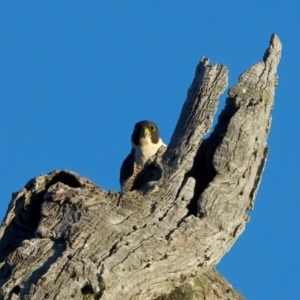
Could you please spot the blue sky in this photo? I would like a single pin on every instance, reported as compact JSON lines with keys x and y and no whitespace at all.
{"x":75,"y":76}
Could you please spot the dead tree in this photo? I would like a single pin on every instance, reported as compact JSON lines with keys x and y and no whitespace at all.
{"x":63,"y":237}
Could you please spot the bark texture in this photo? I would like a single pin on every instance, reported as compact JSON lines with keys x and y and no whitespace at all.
{"x":65,"y":238}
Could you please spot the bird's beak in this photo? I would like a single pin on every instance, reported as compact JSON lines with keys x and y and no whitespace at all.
{"x":145,"y":132}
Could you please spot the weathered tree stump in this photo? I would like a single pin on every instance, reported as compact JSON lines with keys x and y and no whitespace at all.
{"x":63,"y":237}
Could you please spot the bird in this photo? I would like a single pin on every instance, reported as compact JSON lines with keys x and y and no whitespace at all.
{"x":145,"y":141}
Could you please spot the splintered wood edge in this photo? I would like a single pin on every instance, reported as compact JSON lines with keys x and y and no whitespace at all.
{"x":196,"y":117}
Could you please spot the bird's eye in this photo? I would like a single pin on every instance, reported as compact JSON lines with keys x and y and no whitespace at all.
{"x":152,"y":128}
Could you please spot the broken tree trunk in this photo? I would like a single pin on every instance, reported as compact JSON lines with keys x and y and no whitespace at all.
{"x":63,"y":237}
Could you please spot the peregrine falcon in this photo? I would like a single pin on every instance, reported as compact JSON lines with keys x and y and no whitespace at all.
{"x":145,"y":141}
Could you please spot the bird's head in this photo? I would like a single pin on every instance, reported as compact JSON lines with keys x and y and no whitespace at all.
{"x":145,"y":133}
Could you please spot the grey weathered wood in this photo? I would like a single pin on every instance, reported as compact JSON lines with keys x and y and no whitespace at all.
{"x":209,"y":286}
{"x":65,"y":238}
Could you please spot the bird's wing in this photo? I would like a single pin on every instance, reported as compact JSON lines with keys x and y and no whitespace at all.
{"x":128,"y":173}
